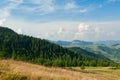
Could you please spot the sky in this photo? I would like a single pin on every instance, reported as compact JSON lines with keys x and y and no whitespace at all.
{"x":67,"y":20}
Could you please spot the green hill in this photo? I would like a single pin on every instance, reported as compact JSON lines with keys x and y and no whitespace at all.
{"x":109,"y":49}
{"x":111,"y":52}
{"x":39,"y":51}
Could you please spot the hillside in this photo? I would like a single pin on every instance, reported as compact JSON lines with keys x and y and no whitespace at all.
{"x":111,"y":52}
{"x":109,"y":49}
{"x":38,"y":51}
{"x":18,"y":70}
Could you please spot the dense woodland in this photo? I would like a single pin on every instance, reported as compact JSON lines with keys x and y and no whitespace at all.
{"x":38,"y":51}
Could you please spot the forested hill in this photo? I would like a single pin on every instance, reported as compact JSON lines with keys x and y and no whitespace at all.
{"x":30,"y":49}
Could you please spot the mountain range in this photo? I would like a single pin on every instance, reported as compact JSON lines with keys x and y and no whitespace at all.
{"x":39,"y":51}
{"x":110,"y":49}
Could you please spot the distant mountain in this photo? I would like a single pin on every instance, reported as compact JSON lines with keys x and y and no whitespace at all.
{"x":111,"y":52}
{"x":110,"y":42}
{"x":79,"y":42}
{"x":73,"y":43}
{"x":85,"y":52}
{"x":39,"y":51}
{"x":62,"y":43}
{"x":110,"y":49}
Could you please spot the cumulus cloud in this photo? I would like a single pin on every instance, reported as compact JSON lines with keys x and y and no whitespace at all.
{"x":19,"y":31}
{"x":67,"y":30}
{"x":82,"y":30}
{"x":96,"y":32}
{"x":83,"y":27}
{"x":59,"y":33}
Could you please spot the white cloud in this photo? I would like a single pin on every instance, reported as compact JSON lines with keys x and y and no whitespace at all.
{"x":98,"y":31}
{"x":67,"y":30}
{"x":58,"y":30}
{"x":83,"y":27}
{"x":70,"y":6}
{"x":6,"y":10}
{"x":112,"y":33}
{"x":13,"y":4}
{"x":4,"y":13}
{"x":83,"y":10}
{"x":3,"y":16}
{"x":2,"y":21}
{"x":82,"y":30}
{"x":41,"y":7}
{"x":19,"y":31}
{"x":101,"y":31}
{"x":61,"y":30}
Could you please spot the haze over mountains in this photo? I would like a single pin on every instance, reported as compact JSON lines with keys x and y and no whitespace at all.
{"x":80,"y":42}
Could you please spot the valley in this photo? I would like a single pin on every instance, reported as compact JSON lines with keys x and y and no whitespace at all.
{"x":109,"y":49}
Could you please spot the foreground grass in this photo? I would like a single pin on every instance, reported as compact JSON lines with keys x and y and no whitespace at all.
{"x":18,"y":70}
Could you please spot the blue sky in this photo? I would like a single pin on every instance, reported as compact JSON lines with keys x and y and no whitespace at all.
{"x":89,"y":20}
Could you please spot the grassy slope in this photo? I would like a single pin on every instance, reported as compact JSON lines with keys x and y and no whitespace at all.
{"x":10,"y":69}
{"x":111,"y":52}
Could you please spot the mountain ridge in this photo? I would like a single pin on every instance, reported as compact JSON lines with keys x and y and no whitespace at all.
{"x":110,"y":50}
{"x":40,"y":51}
{"x":81,"y":42}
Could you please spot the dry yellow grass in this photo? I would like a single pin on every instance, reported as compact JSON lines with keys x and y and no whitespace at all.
{"x":37,"y":72}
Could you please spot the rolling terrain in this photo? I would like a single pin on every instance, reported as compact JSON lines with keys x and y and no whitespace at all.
{"x":27,"y":58}
{"x":109,"y":49}
{"x":111,"y":52}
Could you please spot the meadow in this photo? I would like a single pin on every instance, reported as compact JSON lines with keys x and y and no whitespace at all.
{"x":18,"y":70}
